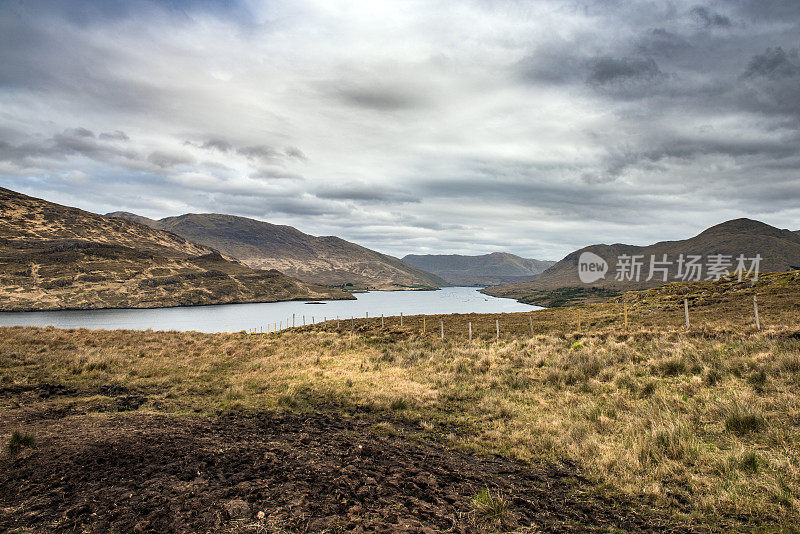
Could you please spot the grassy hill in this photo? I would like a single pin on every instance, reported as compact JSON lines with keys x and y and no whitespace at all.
{"x":559,"y":285}
{"x":325,"y":260}
{"x":57,"y":257}
{"x":488,"y":269}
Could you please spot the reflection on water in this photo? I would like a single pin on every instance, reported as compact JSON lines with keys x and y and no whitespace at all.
{"x":235,"y":317}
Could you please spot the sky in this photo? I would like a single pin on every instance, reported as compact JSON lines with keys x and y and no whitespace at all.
{"x":446,"y":127}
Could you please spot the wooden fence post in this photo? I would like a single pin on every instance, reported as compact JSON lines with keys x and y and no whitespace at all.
{"x":441,"y":325}
{"x":579,"y":321}
{"x":755,"y":311}
{"x":686,"y":311}
{"x":423,"y":324}
{"x":470,"y":330}
{"x":381,"y":320}
{"x":401,"y":318}
{"x":497,"y":327}
{"x":292,"y":320}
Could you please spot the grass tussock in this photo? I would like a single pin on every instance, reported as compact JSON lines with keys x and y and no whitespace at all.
{"x":19,"y":441}
{"x":490,"y":507}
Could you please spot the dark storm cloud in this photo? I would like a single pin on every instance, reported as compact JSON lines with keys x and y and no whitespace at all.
{"x":708,"y":18}
{"x":772,"y":84}
{"x":660,"y":42}
{"x":774,"y":64}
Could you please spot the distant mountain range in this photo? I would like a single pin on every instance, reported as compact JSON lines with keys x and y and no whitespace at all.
{"x":560,"y":284}
{"x":57,"y":257}
{"x":488,"y":269}
{"x":325,"y":260}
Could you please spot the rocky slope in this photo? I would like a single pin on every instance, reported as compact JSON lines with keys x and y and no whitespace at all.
{"x":57,"y":257}
{"x":325,"y":260}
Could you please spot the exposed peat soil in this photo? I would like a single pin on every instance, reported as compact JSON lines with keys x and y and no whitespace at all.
{"x":96,"y":469}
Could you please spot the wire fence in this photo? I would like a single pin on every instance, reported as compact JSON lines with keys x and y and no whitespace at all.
{"x":732,"y":312}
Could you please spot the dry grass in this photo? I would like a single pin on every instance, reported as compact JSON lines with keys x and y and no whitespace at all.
{"x":701,"y":421}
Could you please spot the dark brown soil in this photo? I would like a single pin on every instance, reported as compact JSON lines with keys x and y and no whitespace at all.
{"x":134,"y":472}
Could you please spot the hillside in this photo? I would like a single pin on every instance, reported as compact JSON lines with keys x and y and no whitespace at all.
{"x":57,"y":257}
{"x":325,"y":260}
{"x":488,"y":269}
{"x":560,"y":284}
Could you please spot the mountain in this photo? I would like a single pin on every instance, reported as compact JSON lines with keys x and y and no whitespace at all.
{"x":57,"y":257}
{"x":488,"y":269}
{"x":322,"y":260}
{"x":560,"y":284}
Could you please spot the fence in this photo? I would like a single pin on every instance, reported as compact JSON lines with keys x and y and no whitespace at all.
{"x":497,"y":326}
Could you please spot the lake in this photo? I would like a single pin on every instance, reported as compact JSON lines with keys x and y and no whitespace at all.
{"x":236,"y":317}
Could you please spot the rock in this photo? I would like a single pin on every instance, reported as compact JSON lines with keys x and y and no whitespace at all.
{"x":237,"y":509}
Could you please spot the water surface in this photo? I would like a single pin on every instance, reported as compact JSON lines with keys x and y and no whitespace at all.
{"x":236,"y":317}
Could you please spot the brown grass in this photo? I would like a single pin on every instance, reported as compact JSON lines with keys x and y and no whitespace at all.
{"x":701,"y":421}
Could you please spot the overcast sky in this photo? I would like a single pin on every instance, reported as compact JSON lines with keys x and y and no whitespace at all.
{"x":533,"y":127}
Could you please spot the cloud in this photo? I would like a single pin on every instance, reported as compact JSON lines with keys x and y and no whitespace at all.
{"x":169,"y":159}
{"x":72,"y":142}
{"x":274,"y":174}
{"x":217,"y":144}
{"x":294,"y":152}
{"x":708,"y":18}
{"x":116,"y":135}
{"x":774,"y":64}
{"x":606,"y":70}
{"x":386,"y":98}
{"x":464,"y":127}
{"x":365,"y":192}
{"x":262,"y":152}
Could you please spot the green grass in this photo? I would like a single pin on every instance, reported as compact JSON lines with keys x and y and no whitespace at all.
{"x":490,"y":506}
{"x":19,"y":441}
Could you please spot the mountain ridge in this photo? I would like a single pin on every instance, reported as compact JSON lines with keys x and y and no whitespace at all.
{"x":560,"y":284}
{"x":486,"y":269}
{"x":60,"y":257}
{"x":328,"y":260}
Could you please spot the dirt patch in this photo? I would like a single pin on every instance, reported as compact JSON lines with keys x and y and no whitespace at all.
{"x":318,"y":473}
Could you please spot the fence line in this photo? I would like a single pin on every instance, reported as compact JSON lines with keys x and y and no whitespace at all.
{"x":511,"y":327}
